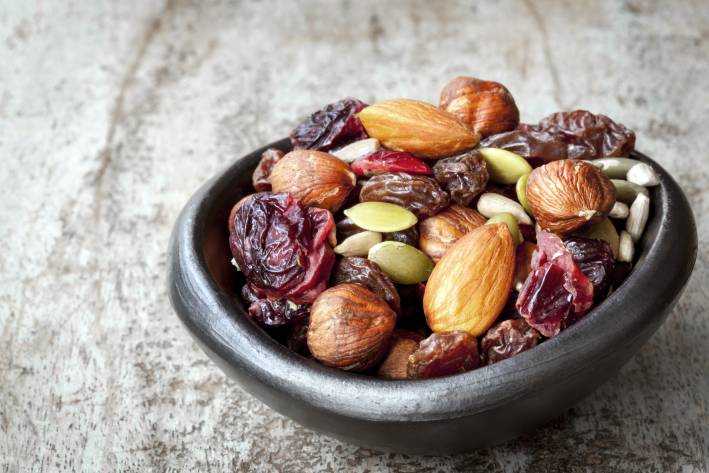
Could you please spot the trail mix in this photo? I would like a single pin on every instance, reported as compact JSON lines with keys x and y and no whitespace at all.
{"x":408,"y":241}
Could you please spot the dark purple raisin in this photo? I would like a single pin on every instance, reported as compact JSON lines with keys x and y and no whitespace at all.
{"x":333,"y":126}
{"x":507,"y":339}
{"x":444,"y":354}
{"x":261,"y":178}
{"x":595,"y":259}
{"x":277,"y":313}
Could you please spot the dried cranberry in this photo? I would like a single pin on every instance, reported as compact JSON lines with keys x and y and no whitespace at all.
{"x":335,"y":125}
{"x":507,"y":339}
{"x":277,"y":312}
{"x":261,"y":177}
{"x":443,"y":354}
{"x":281,"y":247}
{"x":556,"y":293}
{"x":386,"y":160}
{"x":595,"y":259}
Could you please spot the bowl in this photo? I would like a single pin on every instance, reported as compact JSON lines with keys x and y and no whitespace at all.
{"x":435,"y":416}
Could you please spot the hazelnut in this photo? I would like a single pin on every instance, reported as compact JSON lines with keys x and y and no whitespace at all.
{"x":350,"y":327}
{"x":316,"y":178}
{"x":487,"y":107}
{"x":438,"y":233}
{"x":403,"y":344}
{"x":568,"y":194}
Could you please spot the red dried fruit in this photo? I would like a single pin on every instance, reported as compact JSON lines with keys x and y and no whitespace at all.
{"x":261,"y":177}
{"x":443,"y":354}
{"x":281,"y":247}
{"x":277,"y":312}
{"x":507,"y":339}
{"x":385,"y":160}
{"x":333,"y":126}
{"x":556,"y":293}
{"x":595,"y":258}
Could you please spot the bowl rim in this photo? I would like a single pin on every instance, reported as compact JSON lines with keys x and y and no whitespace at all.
{"x":219,"y":322}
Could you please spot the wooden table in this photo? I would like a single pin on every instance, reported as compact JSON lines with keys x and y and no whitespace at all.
{"x":113,"y":113}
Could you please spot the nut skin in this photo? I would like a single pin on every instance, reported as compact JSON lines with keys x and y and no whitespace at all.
{"x":469,"y":286}
{"x":316,"y":178}
{"x":566,"y":195}
{"x":417,"y":127}
{"x":486,"y":107}
{"x":403,"y":344}
{"x":440,"y":232}
{"x":350,"y":327}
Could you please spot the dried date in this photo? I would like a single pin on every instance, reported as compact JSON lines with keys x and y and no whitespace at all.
{"x":507,"y":339}
{"x":444,"y":354}
{"x":367,"y":273}
{"x":334,"y":126}
{"x":420,"y":194}
{"x":261,"y":177}
{"x":464,"y":176}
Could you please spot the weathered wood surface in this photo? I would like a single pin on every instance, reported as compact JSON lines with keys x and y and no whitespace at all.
{"x":113,"y":113}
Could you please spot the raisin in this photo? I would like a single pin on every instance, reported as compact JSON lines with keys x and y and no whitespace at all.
{"x":528,"y":232}
{"x":410,"y":236}
{"x":367,"y":273}
{"x":538,"y":147}
{"x":556,"y":293}
{"x":464,"y":176}
{"x":420,"y":194}
{"x":622,"y":271}
{"x":277,"y":312}
{"x":333,"y":126}
{"x":281,"y":247}
{"x":595,"y":259}
{"x":403,"y":344}
{"x":297,"y":337}
{"x":385,"y":160}
{"x":346,"y":228}
{"x":261,"y":177}
{"x":443,"y":354}
{"x":507,"y":339}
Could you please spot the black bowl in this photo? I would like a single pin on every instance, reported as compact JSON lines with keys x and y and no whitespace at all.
{"x":437,"y":416}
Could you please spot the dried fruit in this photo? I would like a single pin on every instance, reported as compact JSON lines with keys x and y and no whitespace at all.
{"x":318,"y":179}
{"x":417,"y":127}
{"x":487,"y":107}
{"x":511,"y":222}
{"x":565,"y":195}
{"x":410,"y":236}
{"x":603,"y":230}
{"x":403,"y":344}
{"x":403,"y":263}
{"x":381,"y":217}
{"x":557,"y":293}
{"x":357,"y":150}
{"x":438,"y":233}
{"x":261,"y":177}
{"x":637,"y":217}
{"x":643,"y":175}
{"x":297,"y":337}
{"x":384,"y":161}
{"x":419,"y":194}
{"x":444,"y":354}
{"x":367,"y":274}
{"x":277,"y":312}
{"x":470,"y":284}
{"x":538,"y":147}
{"x":335,"y":125}
{"x":491,"y":204}
{"x":627,"y":191}
{"x":464,"y":176}
{"x":626,"y":248}
{"x":345,"y":228}
{"x":281,"y":247}
{"x":595,"y":259}
{"x":350,"y":327}
{"x":507,"y":339}
{"x":505,"y":167}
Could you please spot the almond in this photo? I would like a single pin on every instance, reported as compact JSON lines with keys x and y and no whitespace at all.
{"x":469,"y":286}
{"x":316,"y":178}
{"x":417,"y":127}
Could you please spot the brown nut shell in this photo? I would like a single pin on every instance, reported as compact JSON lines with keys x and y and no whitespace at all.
{"x":350,"y":327}
{"x":568,"y":194}
{"x":487,"y":107}
{"x":470,"y":284}
{"x":316,"y":178}
{"x":438,"y":233}
{"x":403,"y":344}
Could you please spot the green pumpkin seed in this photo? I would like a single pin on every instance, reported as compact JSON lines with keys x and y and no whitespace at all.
{"x":627,"y":191}
{"x":511,"y":222}
{"x":615,"y":168}
{"x":521,"y":189}
{"x":505,"y":167}
{"x":603,"y":230}
{"x":403,"y":263}
{"x":381,"y":217}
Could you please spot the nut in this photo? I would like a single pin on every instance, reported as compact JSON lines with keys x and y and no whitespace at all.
{"x":491,"y":204}
{"x":626,"y":248}
{"x":417,"y":127}
{"x":318,"y":179}
{"x":615,"y":168}
{"x":469,"y":286}
{"x":403,"y":263}
{"x":504,"y":167}
{"x":381,"y":217}
{"x":357,"y":150}
{"x":603,"y":230}
{"x":523,"y":263}
{"x":565,"y":195}
{"x":637,"y":217}
{"x":403,"y":344}
{"x":511,"y":222}
{"x":626,"y":192}
{"x":619,"y":210}
{"x":487,"y":107}
{"x":350,"y":327}
{"x":358,"y":244}
{"x":438,"y":233}
{"x":643,"y":175}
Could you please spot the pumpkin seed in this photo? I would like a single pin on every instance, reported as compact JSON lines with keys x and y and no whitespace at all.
{"x":643,"y":175}
{"x":615,"y":168}
{"x":381,"y":217}
{"x":505,"y":167}
{"x":637,"y":217}
{"x":627,"y":191}
{"x":626,"y":249}
{"x":358,"y":244}
{"x":491,"y":204}
{"x":403,"y":263}
{"x":511,"y":222}
{"x":603,"y":230}
{"x":521,"y":189}
{"x":357,"y":149}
